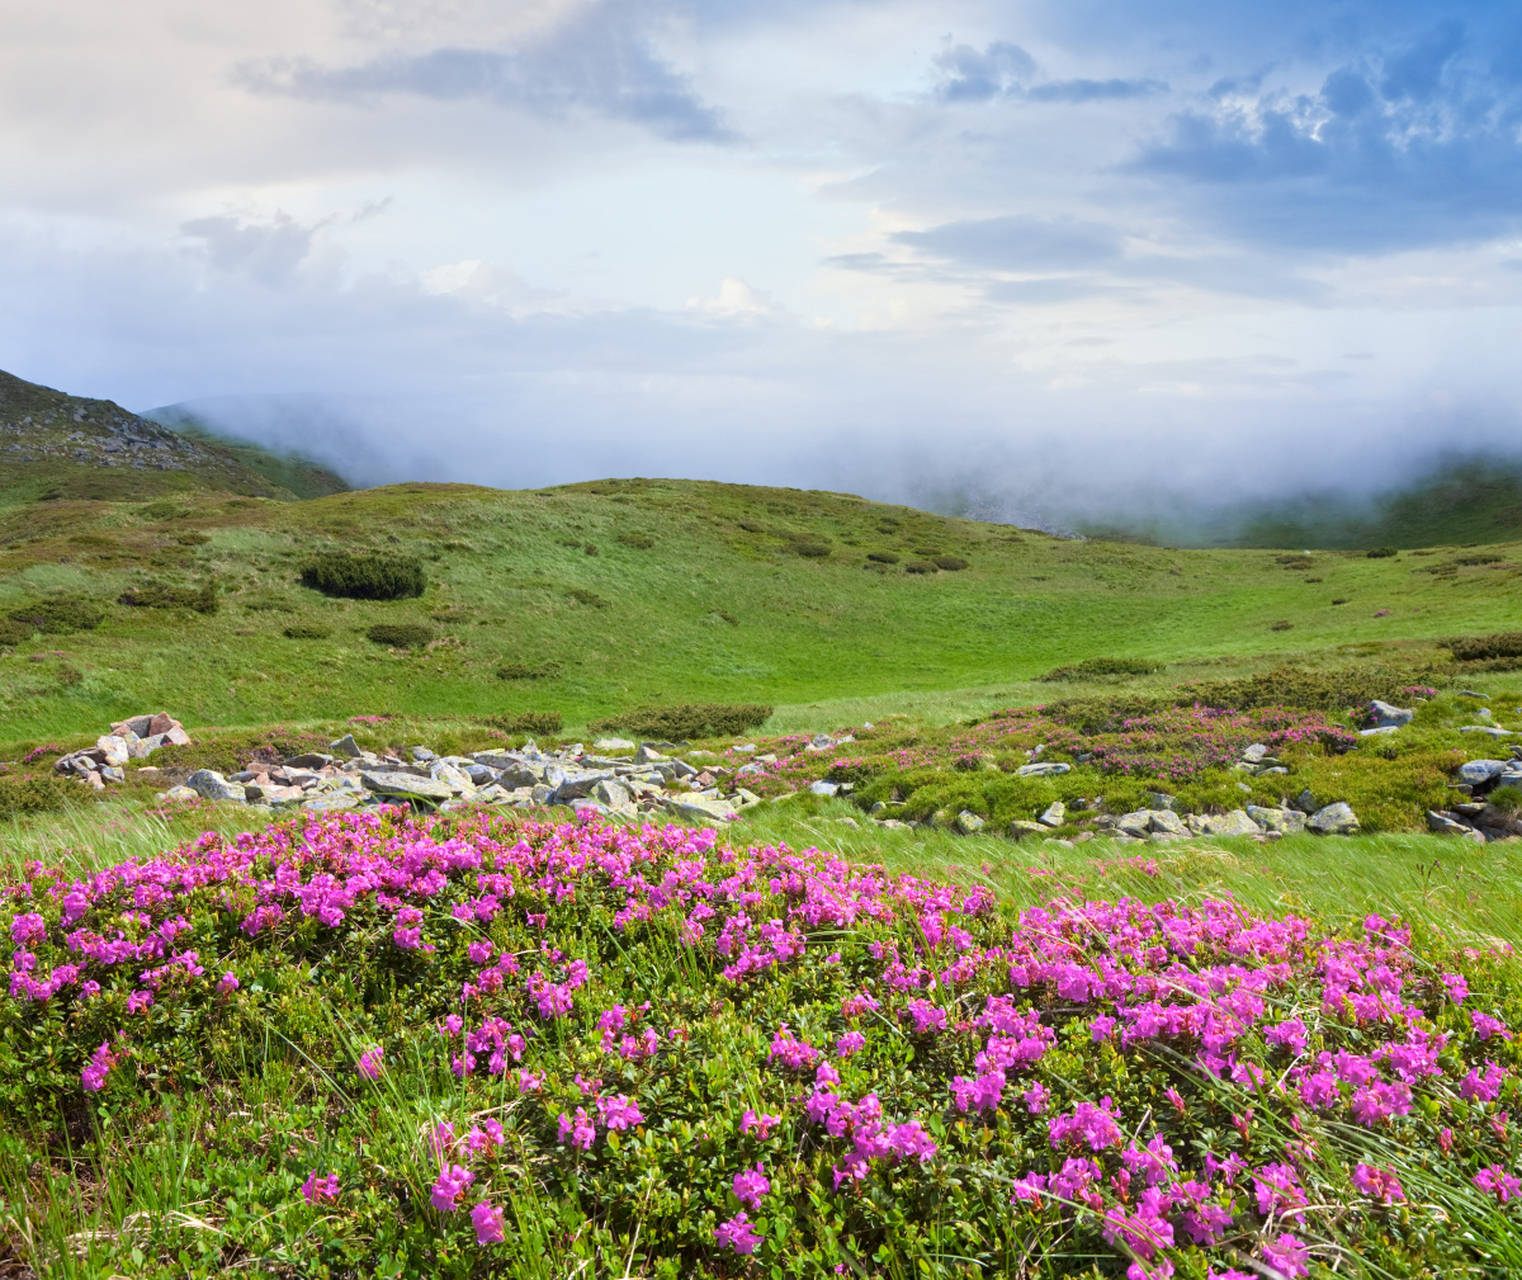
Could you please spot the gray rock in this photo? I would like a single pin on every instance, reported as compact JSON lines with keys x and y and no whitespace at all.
{"x":1384,"y":728}
{"x":745,"y":799}
{"x":1306,"y":802}
{"x":1334,"y":820}
{"x":1386,"y":716}
{"x":346,"y":747}
{"x":1255,"y":753}
{"x":1160,"y":800}
{"x":211,"y":785}
{"x":1489,"y":730}
{"x":612,"y":794}
{"x":308,"y":760}
{"x":180,"y":794}
{"x":823,"y":788}
{"x":111,"y":773}
{"x":1056,"y":814}
{"x":1165,"y":822}
{"x":1235,"y":823}
{"x":1020,"y":827}
{"x":330,"y":802}
{"x":613,"y":744}
{"x":1043,"y":769}
{"x":1445,"y":825}
{"x":1284,"y":821}
{"x":405,"y":786}
{"x":969,"y":822}
{"x":892,"y":824}
{"x":118,"y":750}
{"x":701,"y":810}
{"x":423,"y":755}
{"x":1136,"y":823}
{"x":479,"y":774}
{"x":1478,"y":772}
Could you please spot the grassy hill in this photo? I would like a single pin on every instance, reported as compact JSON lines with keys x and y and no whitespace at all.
{"x":592,"y":598}
{"x":293,"y":472}
{"x":54,"y":446}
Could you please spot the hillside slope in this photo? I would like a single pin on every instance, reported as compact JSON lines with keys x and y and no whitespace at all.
{"x":294,"y":472}
{"x":56,"y":446}
{"x":589,"y":599}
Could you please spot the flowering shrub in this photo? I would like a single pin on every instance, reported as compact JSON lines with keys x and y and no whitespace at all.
{"x":717,"y":1058}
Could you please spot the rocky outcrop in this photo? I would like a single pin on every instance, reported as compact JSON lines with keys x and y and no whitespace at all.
{"x":135,"y":738}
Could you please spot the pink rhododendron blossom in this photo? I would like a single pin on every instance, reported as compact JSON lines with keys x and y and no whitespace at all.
{"x":737,"y":1234}
{"x":750,"y":1185}
{"x":848,"y":1043}
{"x":1497,"y":1182}
{"x":1378,"y":1184}
{"x":1288,"y":1256}
{"x":489,"y":1222}
{"x":1090,"y":1124}
{"x":93,"y":1077}
{"x":316,"y":1189}
{"x":579,"y":1132}
{"x":450,"y":1186}
{"x":1484,"y":1086}
{"x":369,"y":1064}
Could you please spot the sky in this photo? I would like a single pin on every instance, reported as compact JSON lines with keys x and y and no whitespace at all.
{"x":1029,"y":258}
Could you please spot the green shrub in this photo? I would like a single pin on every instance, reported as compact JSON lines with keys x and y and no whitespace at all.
{"x":1295,"y":687}
{"x":1507,"y":799}
{"x":589,"y":598}
{"x":1091,"y":667}
{"x":539,"y":723}
{"x":60,"y":615}
{"x":379,"y":576}
{"x":811,"y":550}
{"x":160,"y":595}
{"x":689,"y":720}
{"x":952,"y":564}
{"x":1501,"y":644}
{"x":519,"y":671}
{"x":639,"y":541}
{"x":401,"y":635}
{"x":883,"y":557}
{"x":1381,"y":553}
{"x":37,"y":794}
{"x":307,"y":633}
{"x":920,"y":566}
{"x":1282,"y":625}
{"x":14,"y":632}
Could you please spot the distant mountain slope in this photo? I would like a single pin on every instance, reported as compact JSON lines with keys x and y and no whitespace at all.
{"x":57,"y":446}
{"x":1460,"y":502}
{"x":292,"y":471}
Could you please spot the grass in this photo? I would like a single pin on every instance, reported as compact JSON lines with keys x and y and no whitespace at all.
{"x":710,"y":612}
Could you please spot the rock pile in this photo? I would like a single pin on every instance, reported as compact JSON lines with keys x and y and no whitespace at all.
{"x":347,"y":777}
{"x":1475,"y":818}
{"x":133,"y":739}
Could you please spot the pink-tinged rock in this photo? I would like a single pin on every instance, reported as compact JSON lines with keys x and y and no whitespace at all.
{"x":177,"y":736}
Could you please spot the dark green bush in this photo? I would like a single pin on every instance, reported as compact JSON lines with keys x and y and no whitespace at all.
{"x":750,"y":526}
{"x":589,"y":598}
{"x":160,"y":595}
{"x":307,"y":633}
{"x":1381,"y":553}
{"x":541,"y":723}
{"x":811,"y":550}
{"x":13,"y":632}
{"x":520,"y":671}
{"x":380,"y":576}
{"x":1090,"y":667}
{"x":921,"y":566}
{"x":883,"y":557}
{"x":639,"y":541}
{"x":1282,"y":625}
{"x":1501,"y":644}
{"x":60,"y":615}
{"x":1295,"y":687}
{"x":952,"y":564}
{"x":1507,"y":799}
{"x":37,"y":794}
{"x":401,"y":635}
{"x":689,"y":720}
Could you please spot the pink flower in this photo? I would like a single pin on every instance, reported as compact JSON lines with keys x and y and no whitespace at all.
{"x":315,"y":1189}
{"x":619,"y":1112}
{"x":580,"y":1132}
{"x":1482,"y":1087}
{"x":1287,"y":1255}
{"x":1093,"y":1125}
{"x":1036,"y":1098}
{"x":528,"y":1082}
{"x":227,"y":984}
{"x":93,"y":1077}
{"x":737,"y":1234}
{"x":1485,"y":1026}
{"x":451,"y":1184}
{"x":750,"y":1186}
{"x":1499,"y":1183}
{"x":1457,"y":988}
{"x":850,"y":1043}
{"x":1378,"y":1184}
{"x":487,"y":1136}
{"x":370,"y":1062}
{"x":762,"y":1124}
{"x":139,"y":1001}
{"x":488,"y":1221}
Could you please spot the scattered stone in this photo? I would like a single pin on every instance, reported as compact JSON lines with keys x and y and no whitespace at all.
{"x":1478,"y":772}
{"x":1381,"y":715}
{"x":1043,"y":769}
{"x":1306,"y":803}
{"x":346,"y":747}
{"x":647,"y":754}
{"x":1282,"y":821}
{"x":616,"y":744}
{"x":211,"y":785}
{"x":180,"y":793}
{"x":1490,"y":730}
{"x":1019,"y":827}
{"x":1164,"y":822}
{"x":1056,"y":814}
{"x":405,"y":785}
{"x":823,"y":788}
{"x":1235,"y":823}
{"x":1446,"y":824}
{"x":1160,"y":800}
{"x":968,"y":822}
{"x":1334,"y":820}
{"x":1255,"y":753}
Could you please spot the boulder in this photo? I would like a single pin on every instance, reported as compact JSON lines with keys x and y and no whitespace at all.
{"x":1160,"y":800}
{"x":1166,"y":823}
{"x":330,"y":802}
{"x":405,"y":786}
{"x":1284,"y":821}
{"x":211,"y":785}
{"x":346,"y":747}
{"x":613,"y":795}
{"x":1021,"y":827}
{"x":1136,"y":823}
{"x":1056,"y":814}
{"x":1334,"y":820}
{"x":614,"y":744}
{"x":1306,"y":803}
{"x":1446,"y":825}
{"x":455,"y":779}
{"x":823,"y":788}
{"x":180,"y":794}
{"x":701,"y":810}
{"x":968,"y":822}
{"x":1478,"y":772}
{"x":1255,"y":753}
{"x":117,"y":748}
{"x":1043,"y":769}
{"x":1489,"y":730}
{"x":1382,"y":715}
{"x":1235,"y":823}
{"x":308,"y":760}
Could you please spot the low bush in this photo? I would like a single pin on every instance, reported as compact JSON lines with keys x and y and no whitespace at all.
{"x":1381,"y":553}
{"x":306,"y":633}
{"x":379,"y":576}
{"x":14,"y":632}
{"x":521,"y":671}
{"x":883,"y":557}
{"x":1296,"y":687}
{"x":921,"y":566}
{"x":160,"y":595}
{"x":539,"y":723}
{"x":689,"y":720}
{"x":952,"y":564}
{"x":60,"y":615}
{"x":1501,"y":644}
{"x":1091,"y":667}
{"x":811,"y":550}
{"x":40,"y":793}
{"x":589,"y":598}
{"x":401,"y":635}
{"x":1282,"y":625}
{"x":639,"y":541}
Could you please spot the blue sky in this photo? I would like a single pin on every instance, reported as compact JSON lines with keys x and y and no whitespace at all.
{"x":1085,"y":252}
